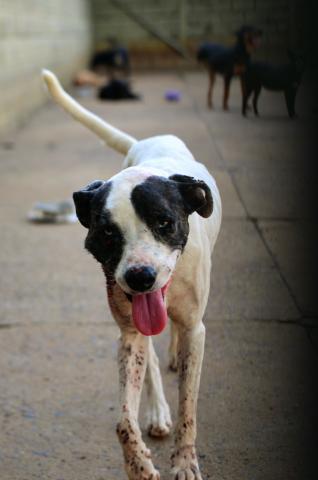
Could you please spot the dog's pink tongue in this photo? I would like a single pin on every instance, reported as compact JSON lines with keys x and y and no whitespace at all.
{"x":149,"y":312}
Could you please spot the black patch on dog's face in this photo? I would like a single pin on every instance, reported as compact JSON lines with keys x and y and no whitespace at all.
{"x":158,"y":202}
{"x":104,"y":240}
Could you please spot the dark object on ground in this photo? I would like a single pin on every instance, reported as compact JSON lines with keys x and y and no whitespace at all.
{"x":117,"y":90}
{"x":279,"y":78}
{"x":228,"y":61}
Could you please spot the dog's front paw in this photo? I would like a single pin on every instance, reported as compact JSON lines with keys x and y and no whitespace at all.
{"x":185,"y":464}
{"x":142,"y":472}
{"x":137,"y":456}
{"x":138,"y":464}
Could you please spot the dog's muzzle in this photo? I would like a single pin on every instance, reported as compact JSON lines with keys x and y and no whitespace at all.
{"x":149,"y":313}
{"x":140,"y":278}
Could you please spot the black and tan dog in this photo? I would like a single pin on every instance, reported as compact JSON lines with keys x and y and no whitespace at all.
{"x":228,"y":61}
{"x":279,"y":78}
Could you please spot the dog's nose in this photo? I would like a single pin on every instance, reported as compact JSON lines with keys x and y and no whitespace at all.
{"x":140,"y":278}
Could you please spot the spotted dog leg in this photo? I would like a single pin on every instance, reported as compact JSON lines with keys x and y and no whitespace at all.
{"x":132,"y":358}
{"x":173,"y":348}
{"x":190,"y":355}
{"x":158,"y":414}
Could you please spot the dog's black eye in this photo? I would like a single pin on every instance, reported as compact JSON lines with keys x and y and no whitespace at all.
{"x":108,"y":232}
{"x":164,"y":224}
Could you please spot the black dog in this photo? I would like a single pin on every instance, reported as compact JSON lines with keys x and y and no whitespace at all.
{"x":115,"y":63}
{"x":111,"y":59}
{"x":228,"y":61}
{"x":117,"y":90}
{"x":281,"y":78}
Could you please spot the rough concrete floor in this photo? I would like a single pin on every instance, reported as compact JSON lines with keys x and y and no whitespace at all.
{"x":58,"y":383}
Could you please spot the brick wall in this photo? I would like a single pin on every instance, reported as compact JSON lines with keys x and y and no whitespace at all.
{"x":36,"y":34}
{"x":214,"y":20}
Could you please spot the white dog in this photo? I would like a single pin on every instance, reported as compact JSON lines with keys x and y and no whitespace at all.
{"x":152,"y":227}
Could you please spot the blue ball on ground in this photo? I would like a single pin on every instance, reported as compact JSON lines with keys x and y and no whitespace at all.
{"x":172,"y":95}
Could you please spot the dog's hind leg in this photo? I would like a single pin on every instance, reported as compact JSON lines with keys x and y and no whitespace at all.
{"x":257,"y":92}
{"x":243,"y":90}
{"x":290,"y":97}
{"x":210,"y":88}
{"x":173,"y":348}
{"x":132,"y":359}
{"x":226,"y":94}
{"x":247,"y":93}
{"x":158,"y":414}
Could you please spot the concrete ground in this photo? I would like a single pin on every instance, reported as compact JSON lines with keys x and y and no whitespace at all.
{"x":58,"y":383}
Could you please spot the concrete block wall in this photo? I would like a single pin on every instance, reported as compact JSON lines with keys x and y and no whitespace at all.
{"x":214,"y":20}
{"x":34,"y":34}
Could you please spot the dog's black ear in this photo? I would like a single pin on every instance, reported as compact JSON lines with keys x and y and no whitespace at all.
{"x":82,"y":200}
{"x":196,"y":195}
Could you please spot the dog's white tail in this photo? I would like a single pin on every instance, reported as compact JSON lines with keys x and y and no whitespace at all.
{"x":116,"y":139}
